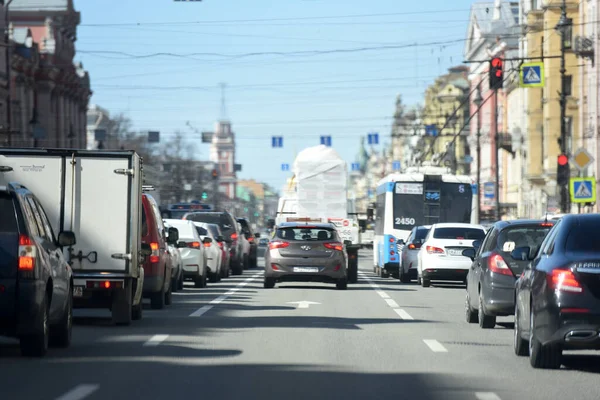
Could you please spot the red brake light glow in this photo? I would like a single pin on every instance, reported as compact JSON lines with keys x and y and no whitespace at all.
{"x":155,"y":256}
{"x":251,"y":239}
{"x":107,"y":285}
{"x":207,"y":244}
{"x":194,"y":245}
{"x":546,"y":224}
{"x":234,"y":236}
{"x":434,"y":250}
{"x":27,"y":254}
{"x":334,"y":246}
{"x":278,"y":245}
{"x":497,"y":265}
{"x":24,"y":240}
{"x":564,"y":280}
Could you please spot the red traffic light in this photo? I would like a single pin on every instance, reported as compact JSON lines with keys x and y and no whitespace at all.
{"x":563,"y":160}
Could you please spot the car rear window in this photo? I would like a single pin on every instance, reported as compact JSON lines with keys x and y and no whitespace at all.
{"x":584,"y":238}
{"x":144,"y":223}
{"x":245,"y":227}
{"x":220,"y":219}
{"x":530,"y":236}
{"x":459,"y":233}
{"x":303,"y":233}
{"x":8,"y":217}
{"x":421,"y":233}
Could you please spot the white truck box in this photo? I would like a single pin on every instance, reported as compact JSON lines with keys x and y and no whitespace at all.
{"x":97,"y":195}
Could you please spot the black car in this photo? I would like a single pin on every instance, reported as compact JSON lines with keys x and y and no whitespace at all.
{"x":558,"y":295}
{"x":229,"y":229}
{"x":491,"y":279}
{"x":36,"y":283}
{"x":247,"y":230}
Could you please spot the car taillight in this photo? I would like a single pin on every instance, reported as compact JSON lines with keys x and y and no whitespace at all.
{"x":497,"y":265}
{"x":334,"y":246}
{"x":206,"y":244}
{"x":564,"y":280}
{"x":104,"y":284}
{"x":546,"y":224}
{"x":411,"y":246}
{"x":154,"y":257}
{"x":194,"y":245}
{"x":27,"y":256}
{"x":251,"y":239}
{"x":278,"y":245}
{"x":220,"y":244}
{"x":274,"y":267}
{"x":434,"y":250}
{"x":337,"y":267}
{"x":234,"y":236}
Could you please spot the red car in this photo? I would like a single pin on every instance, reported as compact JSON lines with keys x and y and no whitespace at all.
{"x":157,"y":267}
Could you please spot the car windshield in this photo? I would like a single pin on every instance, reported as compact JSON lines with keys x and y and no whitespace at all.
{"x":521,"y":236}
{"x":459,"y":233}
{"x":584,"y":238}
{"x":306,"y":233}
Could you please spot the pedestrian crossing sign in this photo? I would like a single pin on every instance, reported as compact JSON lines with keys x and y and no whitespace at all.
{"x":583,"y":190}
{"x":532,"y":74}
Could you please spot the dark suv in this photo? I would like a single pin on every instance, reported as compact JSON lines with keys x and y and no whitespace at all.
{"x":36,"y":283}
{"x":252,"y":238}
{"x":228,"y":226}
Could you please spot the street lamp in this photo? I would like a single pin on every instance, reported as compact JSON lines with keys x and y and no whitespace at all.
{"x":477,"y":100}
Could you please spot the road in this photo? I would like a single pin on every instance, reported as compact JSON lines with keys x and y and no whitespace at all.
{"x":234,"y":340}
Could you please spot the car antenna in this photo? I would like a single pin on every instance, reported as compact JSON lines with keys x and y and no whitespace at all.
{"x":546,"y":218}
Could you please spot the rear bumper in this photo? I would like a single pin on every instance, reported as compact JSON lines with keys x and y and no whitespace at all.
{"x":499,"y":297}
{"x":326,"y":273}
{"x":444,"y":274}
{"x":392,"y":267}
{"x":580,"y":335}
{"x":333,"y":278}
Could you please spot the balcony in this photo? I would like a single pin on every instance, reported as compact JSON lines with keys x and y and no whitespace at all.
{"x":584,"y":46}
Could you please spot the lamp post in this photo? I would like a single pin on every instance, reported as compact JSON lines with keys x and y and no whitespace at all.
{"x":563,"y":26}
{"x":8,"y":67}
{"x":477,"y":100}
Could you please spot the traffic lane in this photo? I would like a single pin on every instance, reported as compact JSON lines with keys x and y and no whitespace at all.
{"x":488,"y":351}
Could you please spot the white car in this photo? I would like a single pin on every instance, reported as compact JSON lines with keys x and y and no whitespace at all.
{"x":245,"y":246}
{"x":440,"y":257}
{"x":177,"y":274}
{"x":191,"y":249}
{"x":212,"y":250}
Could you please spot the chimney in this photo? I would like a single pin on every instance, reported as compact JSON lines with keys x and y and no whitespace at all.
{"x":497,"y":8}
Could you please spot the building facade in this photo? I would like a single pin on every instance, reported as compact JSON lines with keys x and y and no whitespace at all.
{"x":99,"y":129}
{"x":222,"y":153}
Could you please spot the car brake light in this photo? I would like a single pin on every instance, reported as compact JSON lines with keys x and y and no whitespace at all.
{"x":278,"y":245}
{"x":411,"y":246}
{"x":497,"y":265}
{"x":575,"y":310}
{"x":206,"y":244}
{"x":546,"y":224}
{"x":194,"y":245}
{"x":434,"y":250}
{"x":155,"y":256}
{"x":334,"y":246}
{"x":220,"y":244}
{"x":337,"y":267}
{"x":251,"y":239}
{"x":27,"y":253}
{"x":564,"y":280}
{"x":234,"y":236}
{"x":274,"y":267}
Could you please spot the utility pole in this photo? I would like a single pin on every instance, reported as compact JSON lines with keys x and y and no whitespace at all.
{"x":497,"y":156}
{"x":8,"y":75}
{"x":562,"y":26}
{"x":477,"y":101}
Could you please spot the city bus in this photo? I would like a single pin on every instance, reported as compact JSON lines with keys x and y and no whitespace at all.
{"x":418,"y":196}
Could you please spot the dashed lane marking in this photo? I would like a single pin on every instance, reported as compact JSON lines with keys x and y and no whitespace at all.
{"x":79,"y":392}
{"x":383,"y":295}
{"x":392,"y":303}
{"x":435,"y":346}
{"x":156,"y":340}
{"x":403,"y":314}
{"x":487,"y":396}
{"x":202,"y":310}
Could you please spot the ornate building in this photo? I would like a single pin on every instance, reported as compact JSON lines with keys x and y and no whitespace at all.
{"x":222,"y":153}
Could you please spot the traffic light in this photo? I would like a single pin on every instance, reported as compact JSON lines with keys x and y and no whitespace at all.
{"x":563,"y":172}
{"x":214,"y":174}
{"x":204,"y":195}
{"x":496,"y":73}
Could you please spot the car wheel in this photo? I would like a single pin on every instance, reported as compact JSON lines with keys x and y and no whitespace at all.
{"x":157,"y":300}
{"x":269,"y":283}
{"x":137,"y":311}
{"x":485,"y":321}
{"x":342,"y":284}
{"x":36,"y":345}
{"x":214,"y":277}
{"x":418,"y":280}
{"x":540,"y":356}
{"x":169,"y":296}
{"x":404,"y":278}
{"x":180,"y":283}
{"x":425,"y":282}
{"x":520,"y":345}
{"x":470,"y":314}
{"x":60,"y":336}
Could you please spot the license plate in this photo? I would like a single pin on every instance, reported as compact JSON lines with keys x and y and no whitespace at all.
{"x":306,"y":269}
{"x":78,"y":291}
{"x":453,"y":252}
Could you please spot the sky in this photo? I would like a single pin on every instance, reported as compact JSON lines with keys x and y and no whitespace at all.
{"x":293,"y":68}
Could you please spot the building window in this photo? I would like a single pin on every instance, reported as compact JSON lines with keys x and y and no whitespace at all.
{"x":568,"y":85}
{"x":569,"y":34}
{"x":534,"y":4}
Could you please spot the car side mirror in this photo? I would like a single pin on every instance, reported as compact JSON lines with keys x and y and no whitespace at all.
{"x":521,"y":253}
{"x":145,"y":250}
{"x":173,"y":235}
{"x":470,"y":253}
{"x":477,"y":244}
{"x":220,"y":238}
{"x":401,"y":242}
{"x":347,"y":242}
{"x":207,"y":240}
{"x":66,"y":238}
{"x":257,"y":235}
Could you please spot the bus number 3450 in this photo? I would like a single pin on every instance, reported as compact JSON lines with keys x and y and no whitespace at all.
{"x":405,"y":221}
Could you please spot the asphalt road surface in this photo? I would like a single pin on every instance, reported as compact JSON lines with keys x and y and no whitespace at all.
{"x":235,"y":340}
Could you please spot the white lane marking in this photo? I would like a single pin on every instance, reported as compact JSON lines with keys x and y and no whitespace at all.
{"x":403,"y":314}
{"x":392,"y":303}
{"x":383,"y":295}
{"x":79,"y":392}
{"x":302,"y":304}
{"x":199,"y":312}
{"x":487,"y":396}
{"x":435,"y":346}
{"x":156,"y":340}
{"x":202,"y":310}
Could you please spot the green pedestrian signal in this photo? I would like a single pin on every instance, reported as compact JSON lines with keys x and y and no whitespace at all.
{"x":204,"y":195}
{"x":256,"y":214}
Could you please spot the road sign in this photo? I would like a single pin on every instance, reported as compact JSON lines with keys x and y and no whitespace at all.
{"x":396,"y":165}
{"x":373,"y":138}
{"x":277,"y":141}
{"x":285,"y":167}
{"x":532,"y":74}
{"x":355,"y":166}
{"x":582,"y":159}
{"x":583,"y":190}
{"x":489,"y":190}
{"x":431,"y":130}
{"x":326,"y":141}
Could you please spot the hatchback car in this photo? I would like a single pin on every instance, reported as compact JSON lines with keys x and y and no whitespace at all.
{"x":441,"y":258}
{"x":558,"y":294}
{"x":36,"y":293}
{"x":409,"y":260}
{"x":491,"y":279}
{"x":306,"y":253}
{"x":212,"y":250}
{"x":192,"y":251}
